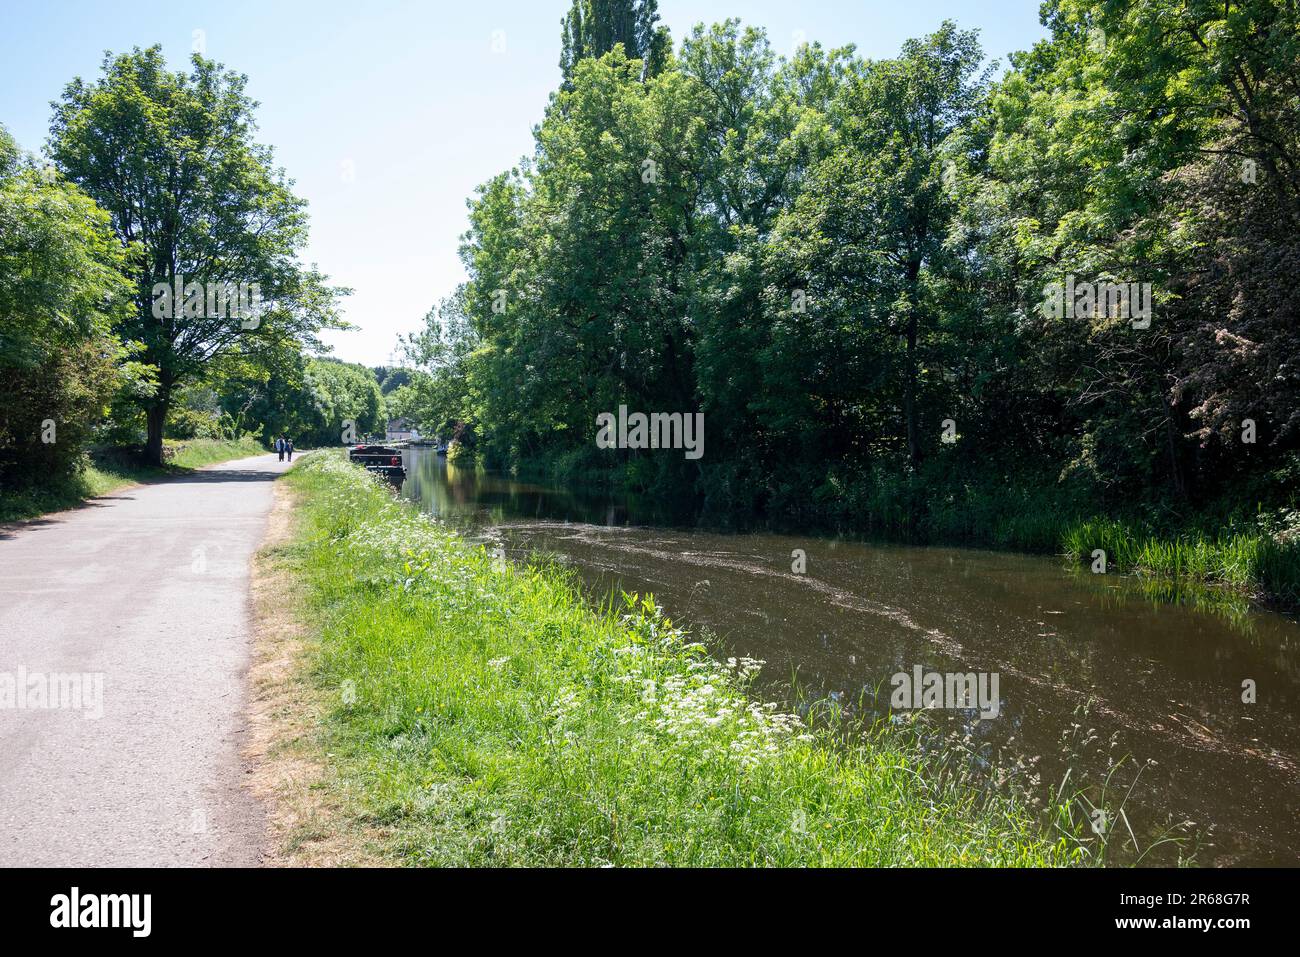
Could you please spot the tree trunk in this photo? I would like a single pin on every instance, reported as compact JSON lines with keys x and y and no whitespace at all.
{"x":909,"y":386}
{"x":909,"y":395}
{"x":156,"y":417}
{"x":1171,"y":439}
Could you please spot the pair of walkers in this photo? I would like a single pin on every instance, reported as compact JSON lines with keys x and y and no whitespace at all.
{"x":284,"y":447}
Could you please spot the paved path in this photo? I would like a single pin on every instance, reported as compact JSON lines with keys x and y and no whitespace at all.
{"x":141,"y":602}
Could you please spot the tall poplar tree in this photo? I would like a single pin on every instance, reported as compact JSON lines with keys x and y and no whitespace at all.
{"x":592,"y":28}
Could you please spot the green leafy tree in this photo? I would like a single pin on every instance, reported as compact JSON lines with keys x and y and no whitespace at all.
{"x":437,"y":394}
{"x":867,"y":238}
{"x":171,"y":158}
{"x":1156,"y":141}
{"x":843,"y":262}
{"x":338,"y":397}
{"x":61,"y":290}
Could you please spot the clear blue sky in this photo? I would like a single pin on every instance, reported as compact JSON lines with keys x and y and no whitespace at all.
{"x":388,"y":114}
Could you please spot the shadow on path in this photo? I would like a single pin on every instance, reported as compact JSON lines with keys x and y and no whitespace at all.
{"x":209,"y":476}
{"x":204,"y":476}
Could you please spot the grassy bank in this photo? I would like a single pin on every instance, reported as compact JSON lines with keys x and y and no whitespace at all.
{"x":482,"y":714}
{"x":110,"y":469}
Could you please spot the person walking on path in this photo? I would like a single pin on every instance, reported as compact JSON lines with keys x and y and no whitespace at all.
{"x":288,"y":448}
{"x":279,"y":447}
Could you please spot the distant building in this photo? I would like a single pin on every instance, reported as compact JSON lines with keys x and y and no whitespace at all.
{"x":402,"y":430}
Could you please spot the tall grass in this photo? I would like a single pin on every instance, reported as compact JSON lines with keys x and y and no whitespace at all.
{"x":1253,"y":561}
{"x":486,"y":715}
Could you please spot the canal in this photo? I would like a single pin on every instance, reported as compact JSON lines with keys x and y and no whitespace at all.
{"x":1129,"y":692}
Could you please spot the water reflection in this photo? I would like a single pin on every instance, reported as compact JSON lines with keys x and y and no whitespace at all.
{"x":473,"y":498}
{"x":1091,"y":668}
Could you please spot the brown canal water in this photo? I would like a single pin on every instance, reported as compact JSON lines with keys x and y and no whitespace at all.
{"x":1091,"y":669}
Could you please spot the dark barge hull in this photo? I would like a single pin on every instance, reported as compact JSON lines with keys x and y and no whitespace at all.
{"x":380,"y":460}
